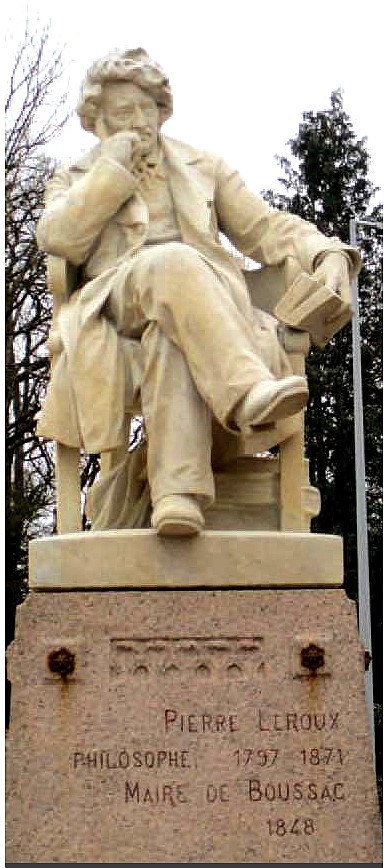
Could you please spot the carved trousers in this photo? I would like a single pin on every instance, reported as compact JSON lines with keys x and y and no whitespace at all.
{"x":201,"y":355}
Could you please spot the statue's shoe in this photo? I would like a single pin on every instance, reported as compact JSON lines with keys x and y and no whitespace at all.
{"x":177,"y":515}
{"x":271,"y":400}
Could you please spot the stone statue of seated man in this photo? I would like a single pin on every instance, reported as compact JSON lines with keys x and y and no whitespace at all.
{"x":161,"y":309}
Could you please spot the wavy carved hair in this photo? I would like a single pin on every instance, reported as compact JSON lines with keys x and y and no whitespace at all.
{"x":133,"y":65}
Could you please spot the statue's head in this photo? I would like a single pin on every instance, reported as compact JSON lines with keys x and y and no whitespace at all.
{"x":130,"y":71}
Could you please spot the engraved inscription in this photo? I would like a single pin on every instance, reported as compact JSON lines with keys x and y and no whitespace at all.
{"x":175,"y":720}
{"x":172,"y":794}
{"x":323,"y":756}
{"x":259,"y":757}
{"x":198,"y":745}
{"x":136,"y":759}
{"x":299,"y":826}
{"x":217,"y":793}
{"x":296,"y":722}
{"x":286,"y":791}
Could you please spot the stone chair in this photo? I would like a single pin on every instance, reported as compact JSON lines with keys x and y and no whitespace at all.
{"x":256,"y":488}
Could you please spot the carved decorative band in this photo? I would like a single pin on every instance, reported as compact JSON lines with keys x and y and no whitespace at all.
{"x":233,"y":657}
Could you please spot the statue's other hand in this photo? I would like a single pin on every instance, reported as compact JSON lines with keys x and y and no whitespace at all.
{"x":334,"y":271}
{"x":124,"y":147}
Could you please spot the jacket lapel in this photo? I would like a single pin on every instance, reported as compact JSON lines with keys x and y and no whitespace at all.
{"x":191,"y":190}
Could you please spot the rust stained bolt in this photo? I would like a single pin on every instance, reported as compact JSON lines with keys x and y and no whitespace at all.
{"x":312,"y":658}
{"x":62,"y":662}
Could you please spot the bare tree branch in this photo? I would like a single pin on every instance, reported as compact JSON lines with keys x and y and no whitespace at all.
{"x":34,"y":115}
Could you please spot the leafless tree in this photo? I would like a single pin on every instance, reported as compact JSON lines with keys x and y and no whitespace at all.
{"x":34,"y":115}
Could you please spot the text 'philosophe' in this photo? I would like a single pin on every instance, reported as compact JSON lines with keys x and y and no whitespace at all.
{"x":123,"y":759}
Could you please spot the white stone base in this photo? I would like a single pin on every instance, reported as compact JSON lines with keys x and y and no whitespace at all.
{"x":141,"y":559}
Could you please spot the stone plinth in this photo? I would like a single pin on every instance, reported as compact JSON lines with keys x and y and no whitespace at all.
{"x":215,"y":559}
{"x":190,"y":729}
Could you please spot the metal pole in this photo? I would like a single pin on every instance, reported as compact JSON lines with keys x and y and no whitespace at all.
{"x":364,"y":603}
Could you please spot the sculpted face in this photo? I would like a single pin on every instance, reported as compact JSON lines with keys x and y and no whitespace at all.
{"x":126,"y":108}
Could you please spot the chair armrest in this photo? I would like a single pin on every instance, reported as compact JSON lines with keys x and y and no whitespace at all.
{"x":307,"y":305}
{"x":266,"y":286}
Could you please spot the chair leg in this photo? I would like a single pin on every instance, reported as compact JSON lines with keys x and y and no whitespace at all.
{"x":68,"y":496}
{"x":291,"y":483}
{"x":292,"y":516}
{"x":110,"y":460}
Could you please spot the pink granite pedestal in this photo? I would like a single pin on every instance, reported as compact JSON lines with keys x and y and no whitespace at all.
{"x":195,"y":726}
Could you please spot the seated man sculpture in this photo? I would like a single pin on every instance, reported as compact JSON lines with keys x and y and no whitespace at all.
{"x":161,"y":306}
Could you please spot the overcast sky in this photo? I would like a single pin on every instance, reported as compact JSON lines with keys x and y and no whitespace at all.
{"x":242,"y":72}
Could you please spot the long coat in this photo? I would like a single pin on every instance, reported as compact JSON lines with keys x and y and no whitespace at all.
{"x":96,"y":219}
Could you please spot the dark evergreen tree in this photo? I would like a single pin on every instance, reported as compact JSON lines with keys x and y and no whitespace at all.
{"x":328,"y":184}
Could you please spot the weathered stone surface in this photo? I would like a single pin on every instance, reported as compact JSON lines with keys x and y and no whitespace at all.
{"x":190,"y":730}
{"x":140,"y":215}
{"x":138,"y":558}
